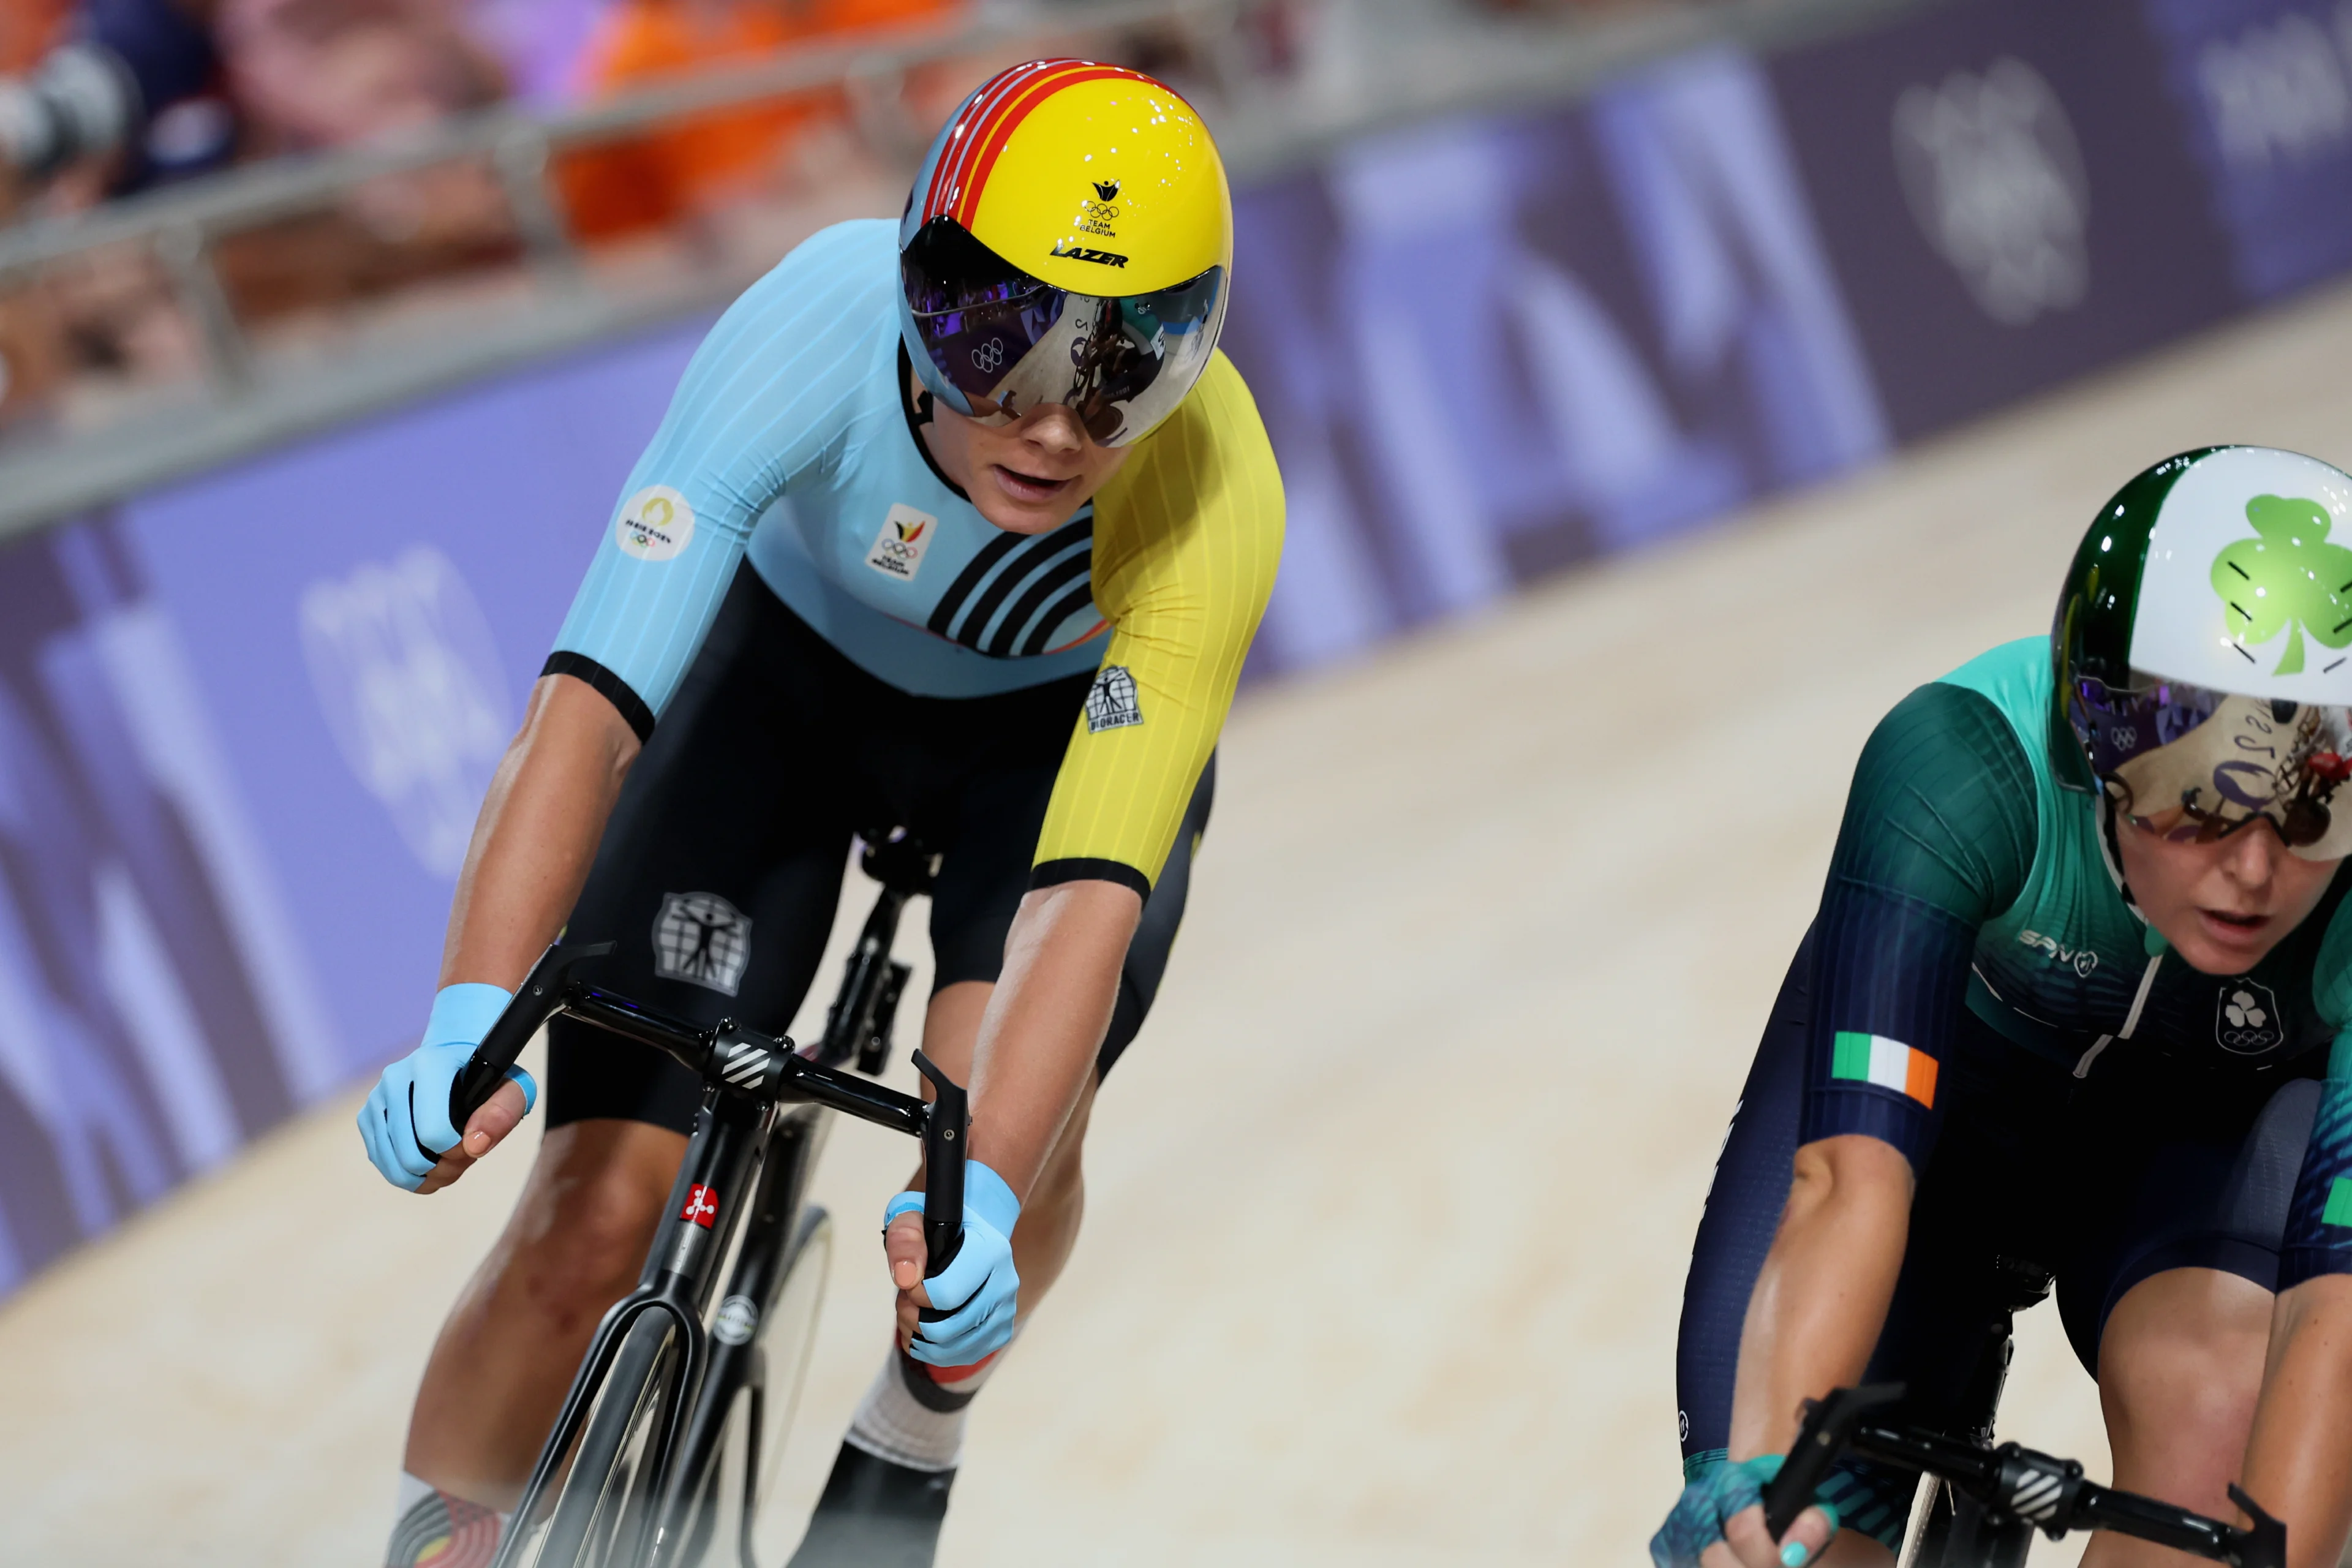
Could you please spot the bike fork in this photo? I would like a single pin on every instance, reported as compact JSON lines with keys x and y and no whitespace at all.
{"x":676,"y":1271}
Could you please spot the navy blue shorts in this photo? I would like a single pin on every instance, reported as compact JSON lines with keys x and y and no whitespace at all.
{"x":2146,"y":1165}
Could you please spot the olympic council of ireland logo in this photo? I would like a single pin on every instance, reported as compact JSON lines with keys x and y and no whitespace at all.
{"x":2246,"y":1019}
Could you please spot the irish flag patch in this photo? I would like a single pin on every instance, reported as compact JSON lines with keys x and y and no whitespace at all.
{"x":1889,"y":1064}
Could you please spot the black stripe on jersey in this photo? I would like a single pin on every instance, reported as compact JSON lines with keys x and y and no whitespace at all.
{"x":611,"y":687}
{"x":1042,"y":586}
{"x":995,"y":550}
{"x":1062,"y":610}
{"x":1054,"y":873}
{"x":1039,"y":553}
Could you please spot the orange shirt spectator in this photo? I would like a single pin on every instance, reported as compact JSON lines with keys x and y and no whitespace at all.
{"x":28,"y":30}
{"x":642,"y":183}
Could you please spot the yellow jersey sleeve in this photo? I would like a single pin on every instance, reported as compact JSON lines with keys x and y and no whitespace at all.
{"x":1187,"y":537}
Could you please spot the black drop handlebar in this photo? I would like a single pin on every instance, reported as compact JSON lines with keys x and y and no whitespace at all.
{"x":2048,"y":1493}
{"x":735,"y":1060}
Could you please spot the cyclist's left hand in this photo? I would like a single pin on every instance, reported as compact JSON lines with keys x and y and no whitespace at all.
{"x":979,"y":1291}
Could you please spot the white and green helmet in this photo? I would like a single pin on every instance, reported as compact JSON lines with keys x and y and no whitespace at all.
{"x":2203,"y":646}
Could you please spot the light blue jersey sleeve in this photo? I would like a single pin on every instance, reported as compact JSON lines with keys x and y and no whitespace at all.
{"x":768,"y":392}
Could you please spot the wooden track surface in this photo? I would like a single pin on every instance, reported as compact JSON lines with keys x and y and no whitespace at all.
{"x":1389,"y":1206}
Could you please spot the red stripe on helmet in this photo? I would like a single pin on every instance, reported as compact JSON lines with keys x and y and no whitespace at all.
{"x":997,"y":110}
{"x":955,"y":155}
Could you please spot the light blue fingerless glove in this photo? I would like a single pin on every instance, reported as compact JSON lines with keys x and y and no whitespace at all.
{"x":979,"y":1291}
{"x":406,"y":1122}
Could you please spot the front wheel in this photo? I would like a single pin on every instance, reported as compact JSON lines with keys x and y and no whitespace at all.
{"x":601,"y":1513}
{"x":740,"y":1523}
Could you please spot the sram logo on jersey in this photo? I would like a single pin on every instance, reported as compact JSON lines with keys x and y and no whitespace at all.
{"x":1081,"y":253}
{"x":2081,"y":960}
{"x":899,"y":548}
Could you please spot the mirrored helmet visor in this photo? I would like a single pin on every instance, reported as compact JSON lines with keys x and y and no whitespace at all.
{"x":2221,"y":760}
{"x":1010,"y":344}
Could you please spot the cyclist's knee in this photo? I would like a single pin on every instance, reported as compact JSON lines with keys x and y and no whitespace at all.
{"x":2180,"y":1365}
{"x":581,"y":1228}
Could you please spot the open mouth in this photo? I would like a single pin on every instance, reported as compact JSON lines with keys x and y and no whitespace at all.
{"x":1030,"y":488}
{"x":2230,"y":923}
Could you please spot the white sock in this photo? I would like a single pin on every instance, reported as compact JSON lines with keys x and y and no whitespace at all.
{"x":913,"y":1415}
{"x":432,"y":1526}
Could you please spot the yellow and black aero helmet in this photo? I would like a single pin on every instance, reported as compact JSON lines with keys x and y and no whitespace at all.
{"x":1069,"y":240}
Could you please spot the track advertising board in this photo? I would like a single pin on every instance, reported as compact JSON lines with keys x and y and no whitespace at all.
{"x":245,"y":722}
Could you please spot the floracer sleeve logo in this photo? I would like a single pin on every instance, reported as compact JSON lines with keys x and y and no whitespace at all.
{"x":2289,"y":579}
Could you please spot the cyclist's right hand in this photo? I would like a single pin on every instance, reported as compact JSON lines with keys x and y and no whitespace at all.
{"x":408,"y":1113}
{"x":1718,"y":1523}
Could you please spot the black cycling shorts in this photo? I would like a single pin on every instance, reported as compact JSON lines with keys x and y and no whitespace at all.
{"x":720,"y":872}
{"x":2143,"y":1167}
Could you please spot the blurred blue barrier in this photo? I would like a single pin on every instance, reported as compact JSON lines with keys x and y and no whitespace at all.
{"x":245,"y":724}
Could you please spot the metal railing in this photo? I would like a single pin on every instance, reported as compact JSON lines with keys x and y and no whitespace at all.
{"x":1416,"y":60}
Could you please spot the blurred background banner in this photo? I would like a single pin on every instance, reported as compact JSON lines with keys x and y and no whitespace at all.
{"x":1518,"y":321}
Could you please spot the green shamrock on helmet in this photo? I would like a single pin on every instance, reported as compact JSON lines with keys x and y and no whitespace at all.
{"x":2290,"y":577}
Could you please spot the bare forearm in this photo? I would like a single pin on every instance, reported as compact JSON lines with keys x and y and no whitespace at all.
{"x":1822,"y":1297}
{"x":1045,"y":1022}
{"x":2299,"y":1462}
{"x":537,"y":832}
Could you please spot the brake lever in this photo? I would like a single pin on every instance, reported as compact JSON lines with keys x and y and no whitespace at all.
{"x":1828,"y":1427}
{"x":2264,"y":1545}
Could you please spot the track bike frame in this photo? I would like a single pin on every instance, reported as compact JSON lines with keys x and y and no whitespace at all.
{"x":763,"y":1111}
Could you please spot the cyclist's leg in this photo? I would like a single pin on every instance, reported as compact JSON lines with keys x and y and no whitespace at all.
{"x":887,"y":1496}
{"x":718,"y":880}
{"x":2171,"y":1299}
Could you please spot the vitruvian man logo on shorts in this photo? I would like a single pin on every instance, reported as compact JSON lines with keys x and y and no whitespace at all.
{"x":1111,"y":703}
{"x":702,"y":938}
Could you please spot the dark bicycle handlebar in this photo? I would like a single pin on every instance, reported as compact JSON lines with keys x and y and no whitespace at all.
{"x":2042,"y":1490}
{"x":736,"y":1060}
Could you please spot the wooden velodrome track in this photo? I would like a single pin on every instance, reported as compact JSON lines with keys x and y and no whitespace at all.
{"x":1390,"y":1205}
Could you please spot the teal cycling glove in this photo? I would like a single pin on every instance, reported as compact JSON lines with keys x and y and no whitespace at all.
{"x":1708,"y":1503}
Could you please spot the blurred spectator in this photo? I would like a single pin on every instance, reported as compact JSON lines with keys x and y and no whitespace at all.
{"x":27,"y":30}
{"x":649,"y":182}
{"x":318,"y":73}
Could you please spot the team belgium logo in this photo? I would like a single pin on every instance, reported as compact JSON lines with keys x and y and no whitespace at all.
{"x":899,"y":548}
